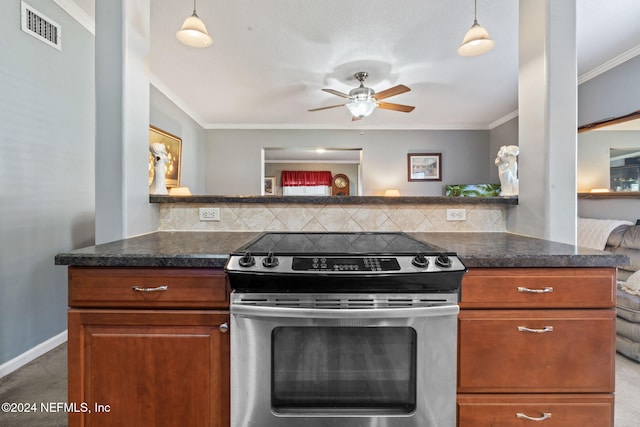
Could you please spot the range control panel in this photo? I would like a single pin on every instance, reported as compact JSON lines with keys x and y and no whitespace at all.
{"x":318,"y":263}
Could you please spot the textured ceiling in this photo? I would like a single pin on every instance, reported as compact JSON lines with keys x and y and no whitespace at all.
{"x":269,"y":59}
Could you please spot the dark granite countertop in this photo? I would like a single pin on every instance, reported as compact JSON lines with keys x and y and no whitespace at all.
{"x":161,"y":249}
{"x":211,"y":249}
{"x":338,"y":200}
{"x":512,"y":250}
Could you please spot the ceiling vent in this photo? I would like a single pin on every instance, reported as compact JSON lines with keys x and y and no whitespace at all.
{"x":41,"y":27}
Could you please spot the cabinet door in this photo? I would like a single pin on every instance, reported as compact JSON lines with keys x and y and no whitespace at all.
{"x":148,"y":368}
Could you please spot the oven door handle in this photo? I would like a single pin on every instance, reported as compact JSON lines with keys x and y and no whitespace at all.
{"x":326,"y":313}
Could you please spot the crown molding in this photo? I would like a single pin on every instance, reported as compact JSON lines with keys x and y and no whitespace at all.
{"x":78,"y":14}
{"x":354,"y":127}
{"x":610,"y":64}
{"x":502,"y":120}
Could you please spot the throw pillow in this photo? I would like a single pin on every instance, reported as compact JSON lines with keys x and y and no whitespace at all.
{"x":633,"y":282}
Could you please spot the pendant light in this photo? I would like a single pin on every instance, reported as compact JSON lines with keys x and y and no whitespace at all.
{"x":193,"y":31}
{"x":477,"y":40}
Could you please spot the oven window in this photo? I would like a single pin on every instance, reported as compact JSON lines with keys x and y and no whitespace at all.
{"x":343,"y":370}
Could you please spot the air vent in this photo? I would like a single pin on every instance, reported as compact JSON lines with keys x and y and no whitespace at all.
{"x":41,"y":27}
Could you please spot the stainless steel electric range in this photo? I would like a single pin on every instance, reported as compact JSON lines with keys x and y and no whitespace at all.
{"x":343,"y":329}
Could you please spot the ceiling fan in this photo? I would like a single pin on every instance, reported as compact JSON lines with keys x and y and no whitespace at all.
{"x":363,"y":100}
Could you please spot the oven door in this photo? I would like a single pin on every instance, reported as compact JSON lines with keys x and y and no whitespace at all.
{"x":343,"y":367}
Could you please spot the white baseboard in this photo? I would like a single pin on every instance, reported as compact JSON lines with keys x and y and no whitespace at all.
{"x":33,"y":353}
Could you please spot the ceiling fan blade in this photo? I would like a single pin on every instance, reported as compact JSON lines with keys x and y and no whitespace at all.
{"x":335,"y":92}
{"x":392,"y":91}
{"x":396,"y":107}
{"x":326,"y":108}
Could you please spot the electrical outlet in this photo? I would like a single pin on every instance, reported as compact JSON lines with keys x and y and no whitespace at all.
{"x":209,"y":214}
{"x":456,"y":214}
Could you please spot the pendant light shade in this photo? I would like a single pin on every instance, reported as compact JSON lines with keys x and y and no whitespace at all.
{"x":477,"y":40}
{"x":193,"y":31}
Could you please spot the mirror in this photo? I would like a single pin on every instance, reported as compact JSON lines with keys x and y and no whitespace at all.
{"x":609,"y":156}
{"x":624,"y":169}
{"x":346,"y":161}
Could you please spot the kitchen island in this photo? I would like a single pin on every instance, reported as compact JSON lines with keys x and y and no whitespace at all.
{"x":148,"y":324}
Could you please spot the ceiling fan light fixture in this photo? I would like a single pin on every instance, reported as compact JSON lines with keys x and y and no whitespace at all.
{"x":363,"y":100}
{"x":361,"y":108}
{"x":193,"y":31}
{"x":477,"y":40}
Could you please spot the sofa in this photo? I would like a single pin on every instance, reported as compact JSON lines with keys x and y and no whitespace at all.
{"x":625,"y":239}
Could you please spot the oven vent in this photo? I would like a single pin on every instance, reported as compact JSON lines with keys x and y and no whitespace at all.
{"x":41,"y":27}
{"x":345,"y":301}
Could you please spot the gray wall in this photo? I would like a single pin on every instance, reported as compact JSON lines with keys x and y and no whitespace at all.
{"x":610,"y":94}
{"x":233,"y":157}
{"x":166,"y":115}
{"x":47,"y":199}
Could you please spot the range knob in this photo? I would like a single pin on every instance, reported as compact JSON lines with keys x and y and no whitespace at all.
{"x":443,"y":260}
{"x":420,"y":261}
{"x":247,"y":260}
{"x":270,"y":261}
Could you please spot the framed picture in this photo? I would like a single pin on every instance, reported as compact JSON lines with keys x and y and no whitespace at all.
{"x":173,"y":147}
{"x":424,"y":166}
{"x":269,"y":185}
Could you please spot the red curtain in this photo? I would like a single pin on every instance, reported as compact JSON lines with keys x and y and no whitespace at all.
{"x":305,"y":178}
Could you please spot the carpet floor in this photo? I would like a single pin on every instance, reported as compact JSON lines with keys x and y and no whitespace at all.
{"x":44,"y":381}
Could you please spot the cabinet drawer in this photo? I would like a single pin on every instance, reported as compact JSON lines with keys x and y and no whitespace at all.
{"x":543,"y":410}
{"x":147,"y":287}
{"x":539,"y":288}
{"x":536,"y":351}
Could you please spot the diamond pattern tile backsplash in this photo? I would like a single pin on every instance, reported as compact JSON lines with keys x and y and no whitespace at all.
{"x":306,"y":217}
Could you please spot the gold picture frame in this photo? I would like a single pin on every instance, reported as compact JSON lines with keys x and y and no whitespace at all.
{"x":173,"y":147}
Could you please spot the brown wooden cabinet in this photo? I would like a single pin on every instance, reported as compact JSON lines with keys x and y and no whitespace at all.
{"x":148,"y":347}
{"x":537,"y":345}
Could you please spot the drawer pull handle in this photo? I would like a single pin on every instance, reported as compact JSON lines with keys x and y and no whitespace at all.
{"x":535,"y":331}
{"x":156,"y":289}
{"x":224,"y":328}
{"x":535,"y":291}
{"x":545,"y":416}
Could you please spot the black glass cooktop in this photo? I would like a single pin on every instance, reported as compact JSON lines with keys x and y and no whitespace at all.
{"x":373,"y":243}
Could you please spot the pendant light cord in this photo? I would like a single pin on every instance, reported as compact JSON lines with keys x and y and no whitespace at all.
{"x":475,"y":12}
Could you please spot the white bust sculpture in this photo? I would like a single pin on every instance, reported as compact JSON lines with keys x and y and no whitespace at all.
{"x":160,"y":160}
{"x":508,"y":169}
